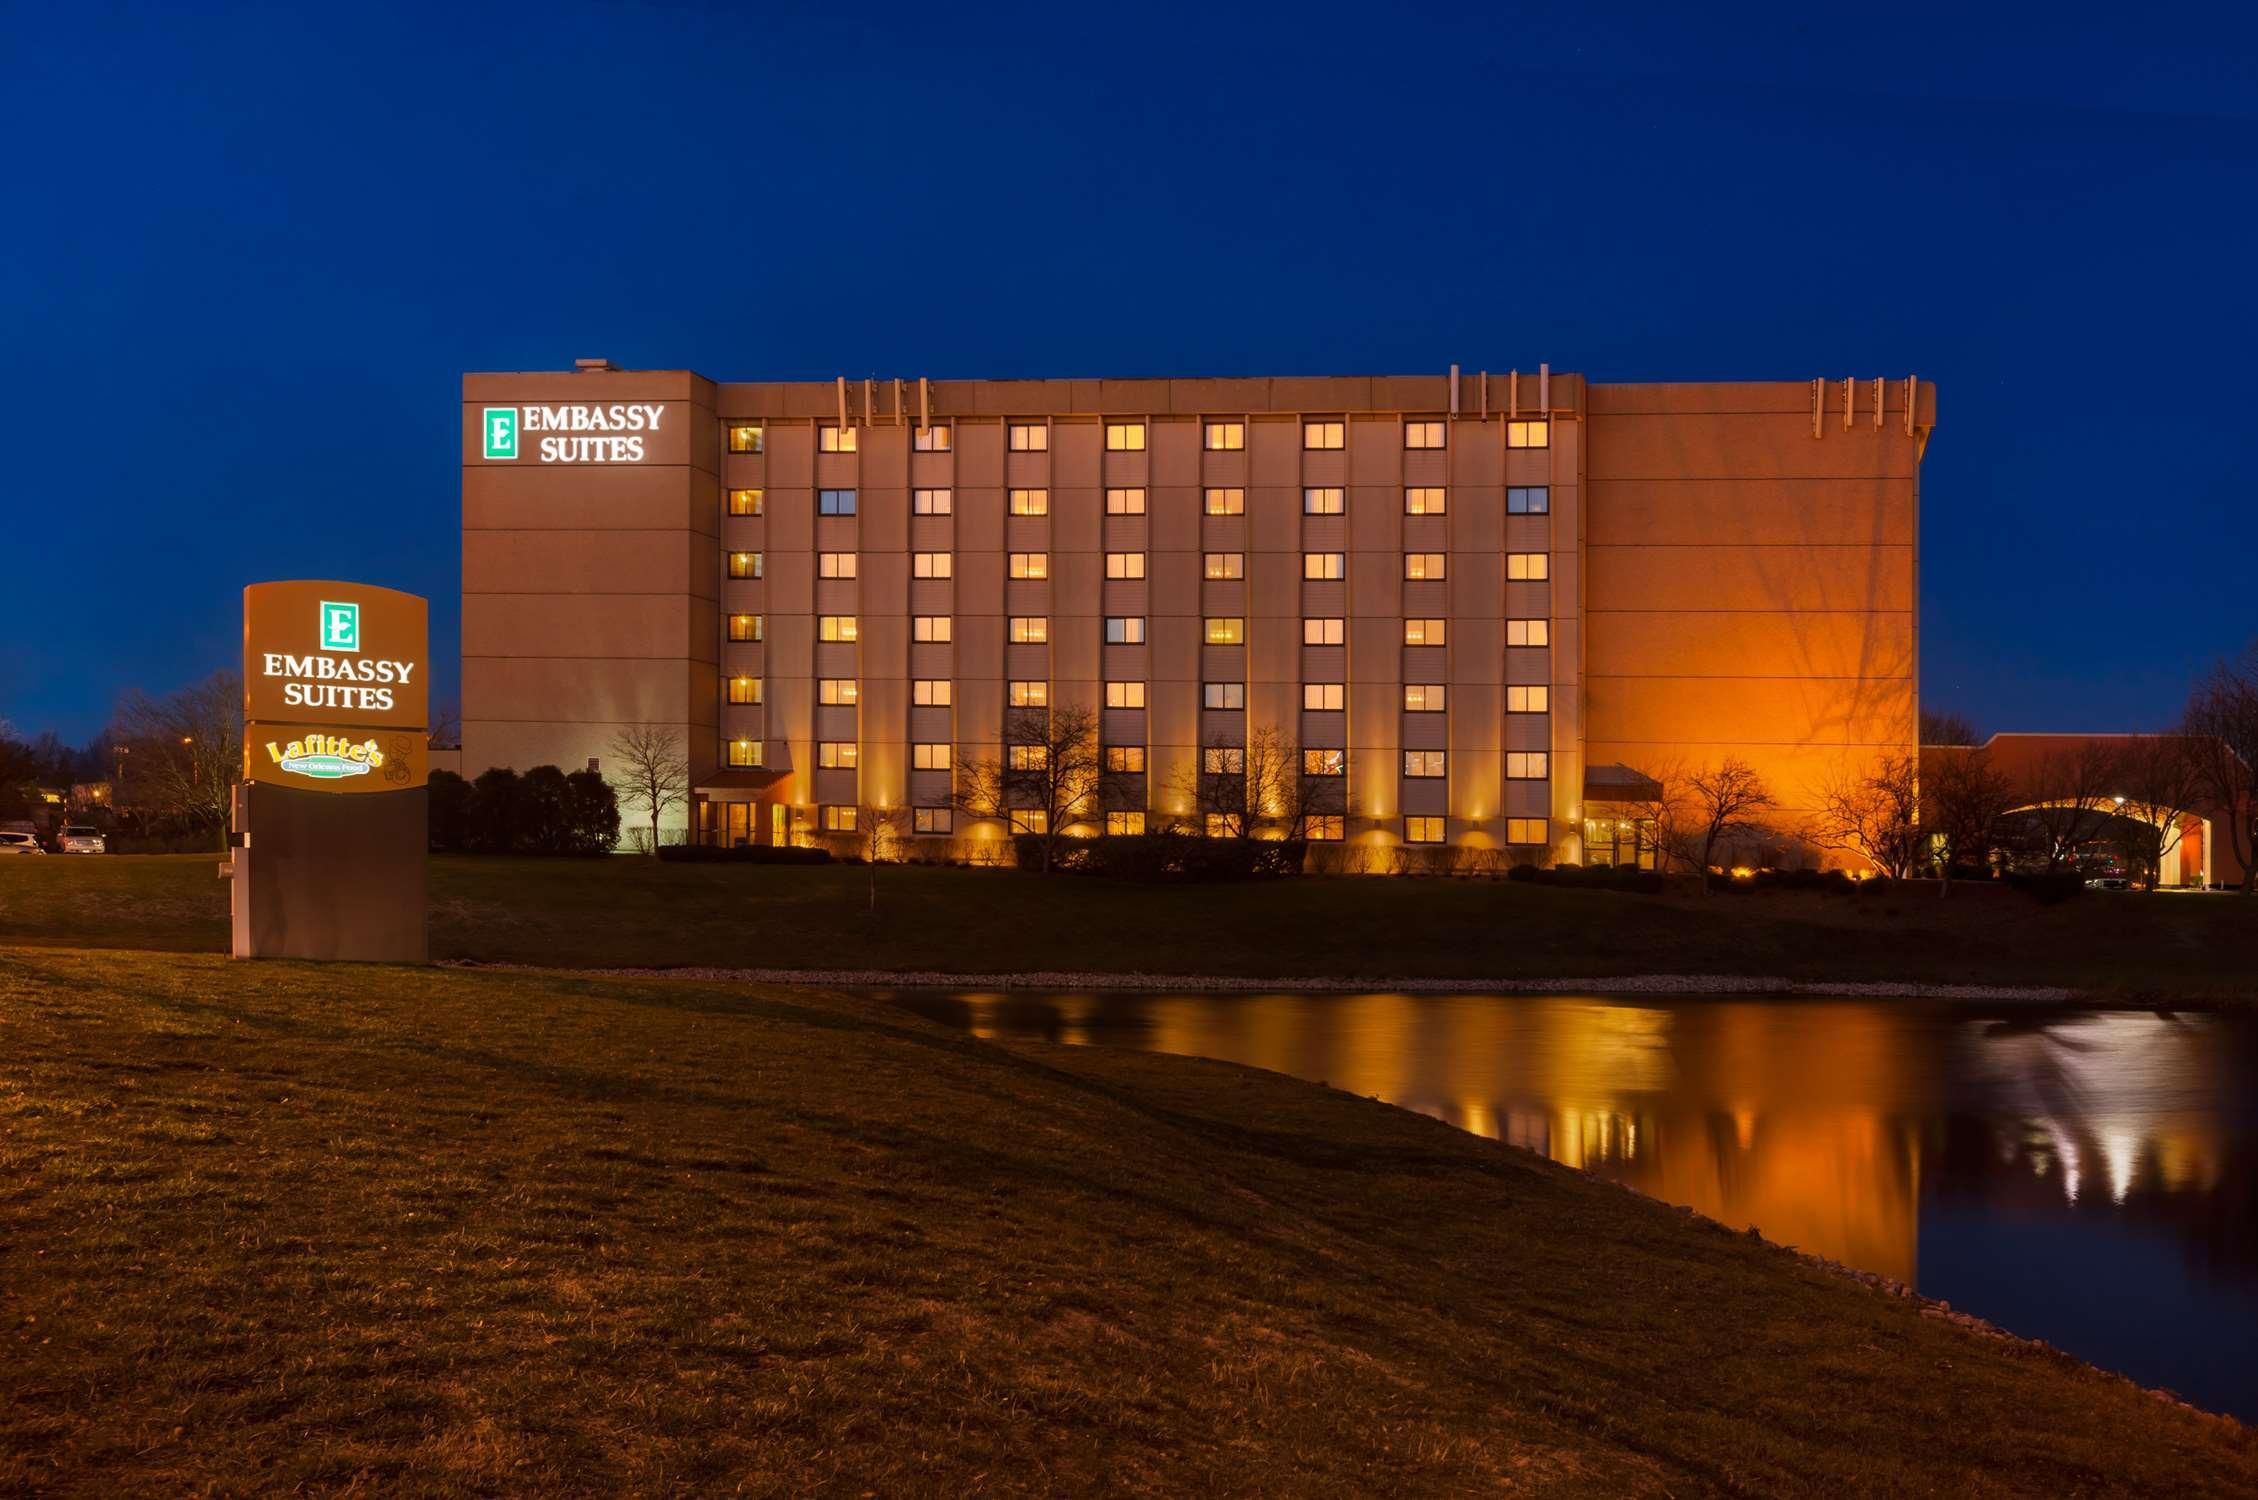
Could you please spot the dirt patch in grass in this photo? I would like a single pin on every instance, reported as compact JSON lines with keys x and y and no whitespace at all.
{"x":277,"y":1226}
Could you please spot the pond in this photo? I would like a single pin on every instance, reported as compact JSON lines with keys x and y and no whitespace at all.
{"x":2090,"y":1179}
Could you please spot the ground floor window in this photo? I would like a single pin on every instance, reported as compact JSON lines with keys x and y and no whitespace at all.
{"x":1423,"y":830}
{"x":1619,"y":841}
{"x":933,"y":820}
{"x":1525,"y":831}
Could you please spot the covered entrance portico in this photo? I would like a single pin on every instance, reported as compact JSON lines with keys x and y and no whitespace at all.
{"x":743,"y":807}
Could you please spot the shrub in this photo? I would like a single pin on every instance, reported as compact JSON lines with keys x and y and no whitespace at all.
{"x":495,"y":798}
{"x":743,"y":854}
{"x":541,"y":812}
{"x":544,"y":811}
{"x":1165,"y":856}
{"x":448,"y":799}
{"x":591,"y":814}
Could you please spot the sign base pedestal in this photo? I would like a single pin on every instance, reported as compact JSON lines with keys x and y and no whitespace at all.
{"x":326,"y":877}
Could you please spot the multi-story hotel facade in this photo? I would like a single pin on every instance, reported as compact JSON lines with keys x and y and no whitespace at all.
{"x":1480,"y":605}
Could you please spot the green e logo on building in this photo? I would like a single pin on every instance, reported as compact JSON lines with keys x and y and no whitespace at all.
{"x":340,"y":626}
{"x":501,"y":432}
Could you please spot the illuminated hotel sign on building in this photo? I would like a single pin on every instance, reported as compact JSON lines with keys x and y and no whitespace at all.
{"x":572,"y":434}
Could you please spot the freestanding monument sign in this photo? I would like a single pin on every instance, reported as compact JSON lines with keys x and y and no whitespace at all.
{"x":327,"y":855}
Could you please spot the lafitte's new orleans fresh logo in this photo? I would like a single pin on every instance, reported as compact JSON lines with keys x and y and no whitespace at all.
{"x":326,"y":757}
{"x":340,"y":626}
{"x":501,"y":432}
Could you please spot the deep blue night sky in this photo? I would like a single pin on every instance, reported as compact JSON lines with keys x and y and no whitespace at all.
{"x":251,"y":253}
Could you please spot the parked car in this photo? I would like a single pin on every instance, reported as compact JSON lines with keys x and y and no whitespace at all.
{"x":12,"y":842}
{"x":2109,"y":883}
{"x":77,"y":838}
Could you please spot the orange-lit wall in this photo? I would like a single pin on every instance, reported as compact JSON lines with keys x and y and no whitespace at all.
{"x":1751,"y":589}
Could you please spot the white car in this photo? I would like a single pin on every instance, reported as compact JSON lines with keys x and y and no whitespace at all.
{"x":79,"y":839}
{"x":20,"y":843}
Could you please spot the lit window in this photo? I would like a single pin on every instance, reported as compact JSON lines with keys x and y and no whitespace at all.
{"x":1423,"y":697}
{"x":932,"y":564}
{"x":1528,"y":567}
{"x":835,"y":628}
{"x":1324,"y":762}
{"x":1223,"y":760}
{"x":1223,"y":695}
{"x":1423,"y":830}
{"x":934,"y":439}
{"x":1127,"y":760}
{"x":1426,"y":632}
{"x":1528,"y":434}
{"x":933,"y":819}
{"x":744,"y":502}
{"x":1330,"y":630}
{"x":839,"y":820}
{"x":1528,"y":632}
{"x":1029,"y":437}
{"x":932,"y":692}
{"x":1324,"y":828}
{"x":1226,"y":502}
{"x":1425,"y":502}
{"x":1030,"y":693}
{"x":745,"y":752}
{"x":1525,"y":765}
{"x":1529,"y":500}
{"x":932,"y":502}
{"x":837,"y":755}
{"x":744,"y":565}
{"x":1030,"y":820}
{"x":1125,"y":437}
{"x":744,"y":437}
{"x":1418,"y":565}
{"x":1324,"y":696}
{"x":1324,"y":565}
{"x":1121,"y":823}
{"x":1028,"y":757}
{"x":1224,"y":437}
{"x":1124,"y":695}
{"x":1422,"y":434}
{"x":1030,"y":630}
{"x":1226,"y":631}
{"x":1030,"y":565}
{"x":837,"y":690}
{"x":1125,"y":565}
{"x":1224,"y":565}
{"x":1528,"y":700}
{"x":933,"y":629}
{"x":1323,"y":502}
{"x":1124,"y":502}
{"x":835,"y":439}
{"x":744,"y":690}
{"x":1030,"y":502}
{"x":1217,"y":825}
{"x":1423,"y":763}
{"x":1125,"y":630}
{"x":1526,"y":831}
{"x":744,"y":627}
{"x":834,"y":502}
{"x":1324,"y":434}
{"x":835,"y":565}
{"x":929,"y":755}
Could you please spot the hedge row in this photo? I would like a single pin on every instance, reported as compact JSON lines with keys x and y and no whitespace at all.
{"x":545,"y":811}
{"x":1165,"y":856}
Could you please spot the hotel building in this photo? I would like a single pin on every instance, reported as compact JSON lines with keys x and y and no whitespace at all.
{"x":1487,"y":603}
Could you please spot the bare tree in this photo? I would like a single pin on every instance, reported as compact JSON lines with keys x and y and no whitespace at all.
{"x":187,"y":749}
{"x":1963,"y":799}
{"x":1875,"y":815}
{"x":2222,"y":716}
{"x":1941,"y":726}
{"x":1048,"y":780}
{"x":645,"y":763}
{"x":1218,"y":788}
{"x":2071,"y":794}
{"x":446,"y":732}
{"x":884,"y":831}
{"x":2160,"y":777}
{"x":1660,"y":808}
{"x":1725,"y":803}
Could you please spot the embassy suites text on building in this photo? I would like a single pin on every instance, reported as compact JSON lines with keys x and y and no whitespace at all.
{"x":1480,"y":605}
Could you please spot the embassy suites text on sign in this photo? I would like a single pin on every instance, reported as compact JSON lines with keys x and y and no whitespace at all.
{"x":571,"y":434}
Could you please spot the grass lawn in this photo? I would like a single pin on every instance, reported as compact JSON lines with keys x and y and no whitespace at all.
{"x":625,"y":911}
{"x":452,"y":1232}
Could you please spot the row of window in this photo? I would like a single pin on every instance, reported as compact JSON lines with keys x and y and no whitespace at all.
{"x":1317,"y":827}
{"x":1316,"y":697}
{"x":1129,"y":630}
{"x":1214,"y":566}
{"x":1326,"y":500}
{"x":1129,"y":437}
{"x":1215,"y":760}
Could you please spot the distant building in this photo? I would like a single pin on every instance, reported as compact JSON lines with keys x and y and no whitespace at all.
{"x":1486,"y":603}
